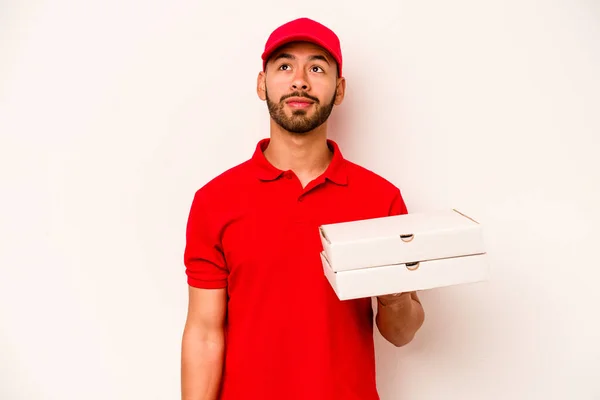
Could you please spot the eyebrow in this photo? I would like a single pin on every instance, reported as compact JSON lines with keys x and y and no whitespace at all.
{"x":311,"y":58}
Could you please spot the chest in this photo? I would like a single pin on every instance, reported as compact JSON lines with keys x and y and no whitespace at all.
{"x":276,"y":233}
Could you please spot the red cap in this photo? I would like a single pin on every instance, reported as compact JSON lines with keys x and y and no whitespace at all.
{"x":306,"y":30}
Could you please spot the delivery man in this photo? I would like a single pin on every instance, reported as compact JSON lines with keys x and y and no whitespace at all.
{"x":263,"y":322}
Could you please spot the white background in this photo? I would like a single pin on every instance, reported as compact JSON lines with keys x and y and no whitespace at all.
{"x":112,"y":114}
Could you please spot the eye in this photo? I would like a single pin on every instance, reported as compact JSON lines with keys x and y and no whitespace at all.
{"x":284,"y":67}
{"x":316,"y":69}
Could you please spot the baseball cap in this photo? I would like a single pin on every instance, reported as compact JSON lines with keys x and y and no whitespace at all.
{"x":306,"y":30}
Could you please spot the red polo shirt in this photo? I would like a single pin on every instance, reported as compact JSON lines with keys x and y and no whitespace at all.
{"x":254,"y":230}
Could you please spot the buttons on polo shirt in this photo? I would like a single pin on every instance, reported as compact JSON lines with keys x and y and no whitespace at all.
{"x":301,"y":212}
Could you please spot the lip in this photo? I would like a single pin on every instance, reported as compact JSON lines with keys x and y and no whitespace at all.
{"x":299,"y":102}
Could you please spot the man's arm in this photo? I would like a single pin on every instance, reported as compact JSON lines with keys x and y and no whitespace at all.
{"x":203,"y":344}
{"x":399,"y":317}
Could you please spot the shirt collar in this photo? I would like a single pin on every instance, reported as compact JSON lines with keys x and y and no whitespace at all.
{"x":335,"y":172}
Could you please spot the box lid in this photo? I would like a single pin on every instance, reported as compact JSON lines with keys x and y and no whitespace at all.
{"x":397,"y":225}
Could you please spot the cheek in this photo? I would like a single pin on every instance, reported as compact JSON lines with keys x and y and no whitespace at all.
{"x":273,"y":93}
{"x":326,"y":96}
{"x":277,"y":84}
{"x":323,"y":89}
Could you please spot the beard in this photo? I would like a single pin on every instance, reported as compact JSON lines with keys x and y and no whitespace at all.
{"x":299,"y":123}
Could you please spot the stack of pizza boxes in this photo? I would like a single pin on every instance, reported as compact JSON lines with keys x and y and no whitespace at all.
{"x":403,"y":253}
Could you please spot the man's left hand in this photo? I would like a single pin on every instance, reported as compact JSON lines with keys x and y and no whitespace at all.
{"x":395,"y":299}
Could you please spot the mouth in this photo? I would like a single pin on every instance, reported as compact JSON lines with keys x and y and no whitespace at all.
{"x":299,"y":102}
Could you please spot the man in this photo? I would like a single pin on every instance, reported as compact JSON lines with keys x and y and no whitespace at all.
{"x":263,"y":322}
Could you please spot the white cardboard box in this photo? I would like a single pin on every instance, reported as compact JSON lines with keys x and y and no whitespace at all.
{"x":399,"y":239}
{"x":377,"y":281}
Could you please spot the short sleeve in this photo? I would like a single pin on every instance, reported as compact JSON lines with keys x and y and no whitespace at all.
{"x":203,"y":256}
{"x":398,"y":206}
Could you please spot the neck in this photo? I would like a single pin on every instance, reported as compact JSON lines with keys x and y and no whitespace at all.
{"x":306,"y":154}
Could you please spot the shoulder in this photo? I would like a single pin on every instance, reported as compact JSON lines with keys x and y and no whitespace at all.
{"x":381,"y":192}
{"x":361,"y":176}
{"x":223,"y":186}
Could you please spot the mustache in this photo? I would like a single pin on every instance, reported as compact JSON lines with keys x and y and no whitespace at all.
{"x":299,"y":94}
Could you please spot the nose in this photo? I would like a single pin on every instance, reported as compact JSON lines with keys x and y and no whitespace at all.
{"x":300,"y":82}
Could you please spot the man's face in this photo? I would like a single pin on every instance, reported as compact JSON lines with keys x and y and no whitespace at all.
{"x":300,"y":86}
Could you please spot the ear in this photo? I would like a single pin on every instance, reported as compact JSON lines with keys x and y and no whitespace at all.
{"x":261,"y":83}
{"x":340,"y":91}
